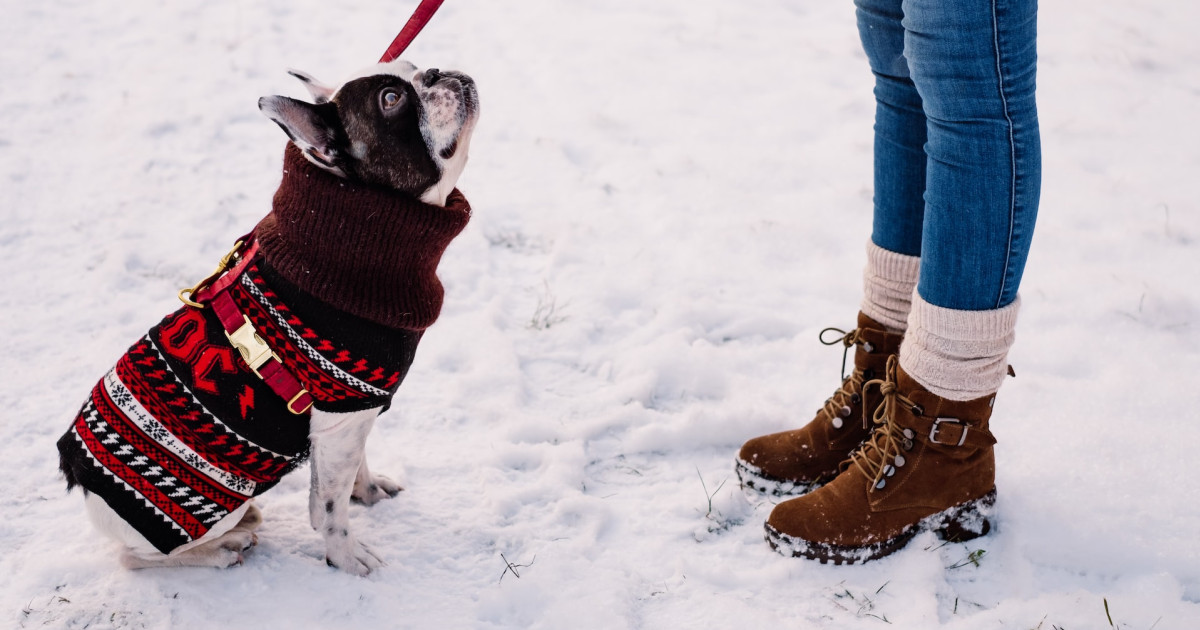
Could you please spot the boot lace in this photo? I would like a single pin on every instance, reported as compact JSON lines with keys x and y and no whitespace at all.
{"x":848,"y":340}
{"x":835,"y":407}
{"x":883,"y":452}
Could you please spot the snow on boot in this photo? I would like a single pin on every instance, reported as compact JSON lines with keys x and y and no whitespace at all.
{"x":801,"y":460}
{"x":927,"y":466}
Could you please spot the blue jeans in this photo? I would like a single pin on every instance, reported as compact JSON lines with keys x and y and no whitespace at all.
{"x":957,"y":150}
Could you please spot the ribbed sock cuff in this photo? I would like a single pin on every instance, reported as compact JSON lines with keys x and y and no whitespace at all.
{"x":888,"y":283}
{"x":959,"y":355}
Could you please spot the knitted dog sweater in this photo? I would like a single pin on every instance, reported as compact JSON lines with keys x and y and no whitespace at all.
{"x":181,"y":432}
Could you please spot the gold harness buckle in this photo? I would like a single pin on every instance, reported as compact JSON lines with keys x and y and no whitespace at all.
{"x":255,"y":352}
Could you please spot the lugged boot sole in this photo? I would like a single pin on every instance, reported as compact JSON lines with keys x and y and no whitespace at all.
{"x":960,"y":523}
{"x":752,"y":477}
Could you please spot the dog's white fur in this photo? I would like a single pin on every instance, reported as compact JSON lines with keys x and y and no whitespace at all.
{"x":442,"y":124}
{"x":337,"y":440}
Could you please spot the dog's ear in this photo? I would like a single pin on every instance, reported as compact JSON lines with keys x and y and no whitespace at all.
{"x":312,"y":128}
{"x":320,"y":92}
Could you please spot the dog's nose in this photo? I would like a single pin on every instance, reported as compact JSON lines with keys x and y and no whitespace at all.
{"x":431,"y":76}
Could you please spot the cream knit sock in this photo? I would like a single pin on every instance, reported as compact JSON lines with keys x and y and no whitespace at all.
{"x":888,"y":283}
{"x":959,"y":355}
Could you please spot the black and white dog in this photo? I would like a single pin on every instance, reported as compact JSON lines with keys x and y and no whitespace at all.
{"x":182,"y":433}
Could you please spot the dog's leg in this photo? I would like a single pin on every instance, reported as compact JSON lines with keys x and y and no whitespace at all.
{"x":337,"y":442}
{"x":370,"y":489}
{"x":251,"y":520}
{"x":223,"y":551}
{"x":223,"y":545}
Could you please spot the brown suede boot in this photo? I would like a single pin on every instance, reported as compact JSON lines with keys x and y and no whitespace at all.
{"x":801,"y":460}
{"x":928,"y":466}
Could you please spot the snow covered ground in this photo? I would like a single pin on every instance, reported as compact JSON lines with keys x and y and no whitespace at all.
{"x":671,"y":200}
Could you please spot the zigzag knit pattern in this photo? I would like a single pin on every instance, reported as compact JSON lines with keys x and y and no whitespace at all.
{"x":180,"y":432}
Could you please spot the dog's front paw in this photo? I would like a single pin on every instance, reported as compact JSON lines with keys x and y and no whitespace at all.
{"x":374,"y":490}
{"x":351,"y":556}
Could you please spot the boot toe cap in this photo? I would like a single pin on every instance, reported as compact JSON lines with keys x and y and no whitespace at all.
{"x":782,"y":457}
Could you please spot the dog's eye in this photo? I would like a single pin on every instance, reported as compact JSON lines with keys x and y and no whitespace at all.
{"x":390,"y":99}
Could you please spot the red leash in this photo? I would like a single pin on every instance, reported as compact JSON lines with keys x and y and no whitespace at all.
{"x":419,"y":19}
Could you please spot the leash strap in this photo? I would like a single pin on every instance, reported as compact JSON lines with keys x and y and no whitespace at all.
{"x":241,"y":332}
{"x":419,"y":19}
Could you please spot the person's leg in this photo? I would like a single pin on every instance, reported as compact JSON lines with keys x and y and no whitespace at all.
{"x":929,"y":463}
{"x":803,"y":459}
{"x":974,"y":64}
{"x":899,"y":206}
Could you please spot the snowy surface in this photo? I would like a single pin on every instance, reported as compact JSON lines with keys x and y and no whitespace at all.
{"x":672,"y":199}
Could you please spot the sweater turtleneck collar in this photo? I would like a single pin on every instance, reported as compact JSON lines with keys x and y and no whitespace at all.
{"x":369,"y":251}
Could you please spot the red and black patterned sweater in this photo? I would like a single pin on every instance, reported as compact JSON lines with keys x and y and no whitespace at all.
{"x":181,"y":432}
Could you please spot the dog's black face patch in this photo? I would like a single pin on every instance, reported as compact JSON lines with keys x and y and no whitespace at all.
{"x":383,"y":144}
{"x":394,"y":126}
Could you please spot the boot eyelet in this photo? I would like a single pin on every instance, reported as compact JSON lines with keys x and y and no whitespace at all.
{"x":908,"y":433}
{"x":881,"y":484}
{"x":837,"y":423}
{"x":855,"y":398}
{"x":900,"y":461}
{"x":867,"y":347}
{"x":917,"y":410}
{"x":845,"y":411}
{"x":908,"y":445}
{"x":889,"y":470}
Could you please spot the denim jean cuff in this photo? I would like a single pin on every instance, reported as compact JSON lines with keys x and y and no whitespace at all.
{"x":959,"y":355}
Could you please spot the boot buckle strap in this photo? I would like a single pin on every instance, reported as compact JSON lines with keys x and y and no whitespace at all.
{"x":946,"y":425}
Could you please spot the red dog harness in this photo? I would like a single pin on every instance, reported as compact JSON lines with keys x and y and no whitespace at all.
{"x":240,"y":330}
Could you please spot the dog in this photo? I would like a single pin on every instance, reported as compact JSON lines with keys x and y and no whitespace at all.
{"x":297,"y":343}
